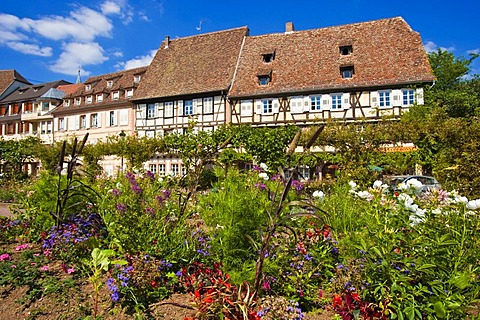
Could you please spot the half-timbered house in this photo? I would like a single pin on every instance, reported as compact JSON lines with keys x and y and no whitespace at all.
{"x":187,"y":82}
{"x":360,"y":71}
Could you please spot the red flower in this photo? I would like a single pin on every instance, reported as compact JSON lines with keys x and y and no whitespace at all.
{"x":337,"y":300}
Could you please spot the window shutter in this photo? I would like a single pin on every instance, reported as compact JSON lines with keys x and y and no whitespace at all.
{"x":157,"y":108}
{"x":276,"y":105}
{"x":115,"y":118}
{"x":397,"y":98}
{"x":180,"y":107}
{"x":123,"y":117}
{"x":99,"y":120}
{"x":419,"y":95}
{"x":55,"y":125}
{"x":306,"y":104}
{"x":296,"y":105}
{"x":194,"y":106}
{"x":143,"y":111}
{"x":326,"y":101}
{"x":77,"y":122}
{"x":346,"y":101}
{"x":246,"y":107}
{"x":374,"y":99}
{"x":259,"y":106}
{"x":87,"y":120}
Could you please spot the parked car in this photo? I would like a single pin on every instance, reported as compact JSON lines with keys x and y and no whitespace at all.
{"x":427,"y":182}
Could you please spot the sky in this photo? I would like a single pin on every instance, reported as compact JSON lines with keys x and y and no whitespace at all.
{"x":49,"y":40}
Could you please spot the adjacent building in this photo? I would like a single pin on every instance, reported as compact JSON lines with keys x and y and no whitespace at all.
{"x":100,"y":106}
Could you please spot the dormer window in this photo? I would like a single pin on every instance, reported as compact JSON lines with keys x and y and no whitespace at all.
{"x":136,"y":78}
{"x":109,"y":83}
{"x":347,"y":72}
{"x":268,"y":57}
{"x":346,"y":50}
{"x":67,"y":103}
{"x":89,"y":99}
{"x":88,"y":87}
{"x":116,"y":95}
{"x":264,"y":80}
{"x":78,"y":101}
{"x":129,"y":93}
{"x":99,"y":97}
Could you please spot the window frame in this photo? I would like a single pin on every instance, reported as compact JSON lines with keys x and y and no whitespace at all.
{"x":151,"y":108}
{"x":207,"y":102}
{"x":188,"y":107}
{"x":267,"y":106}
{"x":316,"y":103}
{"x":408,"y":95}
{"x":336,"y":101}
{"x":168,"y":106}
{"x":94,"y":120}
{"x":61,"y":124}
{"x":385,"y":98}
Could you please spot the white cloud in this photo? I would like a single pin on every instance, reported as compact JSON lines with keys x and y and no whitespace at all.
{"x":120,"y":8}
{"x":32,"y":49}
{"x":431,"y":46}
{"x":110,"y":7}
{"x":76,"y":55}
{"x":139,"y":61}
{"x":474,"y":51}
{"x":118,"y":54}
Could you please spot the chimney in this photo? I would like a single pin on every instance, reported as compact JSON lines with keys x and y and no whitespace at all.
{"x":289,"y":27}
{"x":167,"y":41}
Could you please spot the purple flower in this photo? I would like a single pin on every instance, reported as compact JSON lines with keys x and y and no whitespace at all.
{"x":116,"y":192}
{"x":150,"y":175}
{"x":121,"y":207}
{"x":297,"y":185}
{"x":136,"y":189}
{"x":260,"y":185}
{"x":150,"y":211}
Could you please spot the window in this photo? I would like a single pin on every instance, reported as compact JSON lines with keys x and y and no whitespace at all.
{"x":168,"y":109}
{"x":137,"y":78}
{"x":315,"y":103}
{"x":95,"y":120}
{"x":346,"y":50}
{"x":45,"y":106}
{"x":78,"y":101}
{"x":83,"y":121}
{"x":109,"y":83}
{"x":3,"y":110}
{"x":263,"y":80}
{"x":336,"y":101}
{"x":116,"y":95}
{"x":304,"y":172}
{"x":99,"y":97}
{"x":188,"y":108}
{"x":88,"y":87}
{"x":296,"y":104}
{"x":408,"y":97}
{"x":111,"y":118}
{"x":152,"y":168}
{"x":129,"y":93}
{"x":268,"y":57}
{"x":207,"y":105}
{"x":267,"y":106}
{"x":184,"y":170}
{"x":10,"y":128}
{"x":151,"y":111}
{"x":175,"y":169}
{"x":347,"y":72}
{"x":67,"y":103}
{"x":61,"y":124}
{"x":384,"y":98}
{"x":161,"y":169}
{"x":89,"y":99}
{"x":15,"y":108}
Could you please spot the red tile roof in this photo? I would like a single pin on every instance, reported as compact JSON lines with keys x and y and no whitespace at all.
{"x":122,"y":80}
{"x":70,"y":88}
{"x":384,"y":53}
{"x":192,"y":65}
{"x":8,"y":76}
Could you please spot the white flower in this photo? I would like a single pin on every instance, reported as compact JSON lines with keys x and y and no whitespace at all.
{"x":353,"y":185}
{"x":263,"y":175}
{"x":473,"y":204}
{"x":377,"y":184}
{"x":365,"y":195}
{"x":318,"y":194}
{"x":263,"y":166}
{"x":415,"y":184}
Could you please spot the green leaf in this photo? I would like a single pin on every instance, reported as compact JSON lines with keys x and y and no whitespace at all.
{"x":439,"y":309}
{"x":461,"y":281}
{"x":426,"y":266}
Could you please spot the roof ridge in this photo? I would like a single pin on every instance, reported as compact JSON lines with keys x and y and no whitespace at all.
{"x":209,"y":33}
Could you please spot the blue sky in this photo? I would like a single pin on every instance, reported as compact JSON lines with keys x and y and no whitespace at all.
{"x":47,"y":40}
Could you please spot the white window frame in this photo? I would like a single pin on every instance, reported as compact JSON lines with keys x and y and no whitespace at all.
{"x":188,"y":107}
{"x":175,"y":169}
{"x":109,"y":83}
{"x":151,"y":110}
{"x":129,"y":93}
{"x":99,"y":97}
{"x":89,"y":99}
{"x":78,"y":101}
{"x":168,"y":109}
{"x":208,"y":105}
{"x":88,"y":87}
{"x":94,"y":120}
{"x":152,"y":167}
{"x":161,"y":169}
{"x":137,"y":78}
{"x":315,"y":103}
{"x":408,"y":97}
{"x":61,"y":124}
{"x":384,"y":99}
{"x":83,"y":121}
{"x":267,"y":106}
{"x":336,"y":99}
{"x":116,"y":95}
{"x":67,"y":102}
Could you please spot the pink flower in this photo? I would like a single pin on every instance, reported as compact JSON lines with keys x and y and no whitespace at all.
{"x":70,"y":270}
{"x":47,"y":253}
{"x":4,"y":256}
{"x":33,"y":263}
{"x":22,"y":246}
{"x":36,"y":254}
{"x":44,"y":268}
{"x":13,"y":266}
